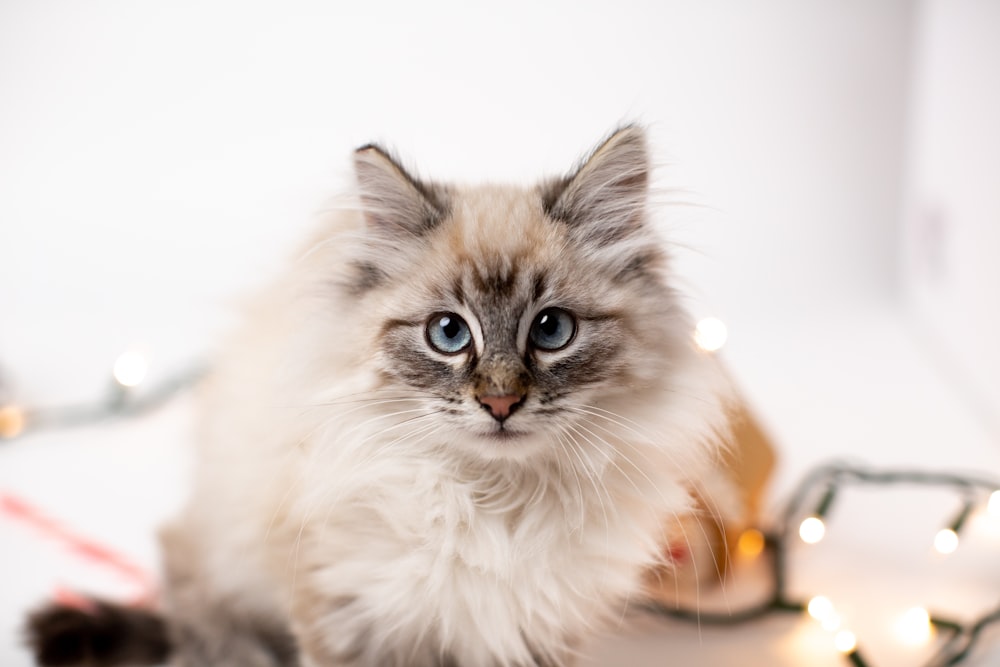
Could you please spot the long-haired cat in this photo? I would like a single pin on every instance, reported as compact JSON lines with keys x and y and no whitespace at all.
{"x":449,"y":435}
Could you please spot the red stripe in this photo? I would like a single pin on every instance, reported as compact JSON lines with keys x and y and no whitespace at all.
{"x":88,"y":550}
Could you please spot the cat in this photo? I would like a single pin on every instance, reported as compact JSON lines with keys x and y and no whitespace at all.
{"x":449,"y":435}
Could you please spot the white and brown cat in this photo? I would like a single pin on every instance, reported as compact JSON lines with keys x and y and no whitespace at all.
{"x":449,"y":435}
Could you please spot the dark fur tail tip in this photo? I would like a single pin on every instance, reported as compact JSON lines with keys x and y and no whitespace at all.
{"x":104,"y":636}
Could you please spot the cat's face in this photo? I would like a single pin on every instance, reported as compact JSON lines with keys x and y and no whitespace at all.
{"x":514,"y":314}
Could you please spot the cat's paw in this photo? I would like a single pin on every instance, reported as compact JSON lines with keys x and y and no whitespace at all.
{"x":96,"y":633}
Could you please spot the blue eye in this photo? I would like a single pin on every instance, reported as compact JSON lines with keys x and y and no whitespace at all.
{"x":448,"y":333}
{"x":552,"y":330}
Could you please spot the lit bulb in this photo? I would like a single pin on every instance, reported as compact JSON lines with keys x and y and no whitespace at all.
{"x":130,"y":369}
{"x":751,"y":543}
{"x":710,"y":334}
{"x":845,"y":641}
{"x":994,"y":505}
{"x":946,"y":541}
{"x":914,"y":626}
{"x":820,"y":607}
{"x":812,"y":529}
{"x":12,"y":421}
{"x":822,"y":610}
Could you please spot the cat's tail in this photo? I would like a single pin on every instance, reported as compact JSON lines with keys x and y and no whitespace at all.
{"x":97,"y":634}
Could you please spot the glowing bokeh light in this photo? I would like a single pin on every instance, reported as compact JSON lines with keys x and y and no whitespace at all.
{"x":946,"y":541}
{"x":845,"y":641}
{"x":130,"y":368}
{"x":12,"y":421}
{"x":812,"y":529}
{"x":914,"y":626}
{"x":751,"y":543}
{"x":994,"y":505}
{"x":710,"y":334}
{"x":820,"y":607}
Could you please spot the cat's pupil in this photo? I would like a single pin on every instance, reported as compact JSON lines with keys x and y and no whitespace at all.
{"x":450,"y":327}
{"x":549,"y":325}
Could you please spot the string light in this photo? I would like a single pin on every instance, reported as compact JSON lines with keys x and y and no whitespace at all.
{"x":12,"y":421}
{"x":821,"y":609}
{"x":751,"y":543}
{"x":845,"y":641}
{"x":710,"y":334}
{"x":946,"y":540}
{"x":993,"y":507}
{"x":130,"y":368}
{"x":812,"y":529}
{"x":916,"y":625}
{"x":128,"y":372}
{"x":959,"y":521}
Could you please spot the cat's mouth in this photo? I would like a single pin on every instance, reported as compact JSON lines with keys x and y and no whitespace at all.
{"x":503,"y":434}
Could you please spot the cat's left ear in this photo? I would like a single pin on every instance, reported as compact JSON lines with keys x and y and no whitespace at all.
{"x":604,"y":200}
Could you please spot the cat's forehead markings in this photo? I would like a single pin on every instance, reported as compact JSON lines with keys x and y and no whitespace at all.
{"x":490,"y":221}
{"x":496,"y":279}
{"x":458,"y":289}
{"x":539,"y":286}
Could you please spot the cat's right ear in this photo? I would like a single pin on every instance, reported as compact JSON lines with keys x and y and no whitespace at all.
{"x":394,"y":202}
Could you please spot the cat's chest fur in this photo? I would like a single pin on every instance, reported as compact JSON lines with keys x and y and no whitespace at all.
{"x":429,"y":559}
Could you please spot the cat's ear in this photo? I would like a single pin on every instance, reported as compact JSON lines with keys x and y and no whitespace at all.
{"x":393,"y":201}
{"x":604,"y":200}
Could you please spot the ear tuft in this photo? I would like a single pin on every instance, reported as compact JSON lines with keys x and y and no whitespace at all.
{"x":392,"y":200}
{"x":604,"y":200}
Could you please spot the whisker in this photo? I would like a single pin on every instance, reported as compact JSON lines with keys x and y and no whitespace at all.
{"x":653,"y":485}
{"x":360,"y":397}
{"x":376,"y":418}
{"x":623,"y":422}
{"x":386,"y":445}
{"x":715,"y":514}
{"x":593,"y":478}
{"x":627,"y":459}
{"x":579,"y":484}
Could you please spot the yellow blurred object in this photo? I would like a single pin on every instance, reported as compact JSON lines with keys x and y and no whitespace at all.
{"x":12,"y":421}
{"x":751,"y":543}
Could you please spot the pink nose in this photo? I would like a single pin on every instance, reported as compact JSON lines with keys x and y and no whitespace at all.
{"x":500,"y":406}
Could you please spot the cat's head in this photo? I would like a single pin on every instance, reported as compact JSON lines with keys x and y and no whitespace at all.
{"x":516,"y":314}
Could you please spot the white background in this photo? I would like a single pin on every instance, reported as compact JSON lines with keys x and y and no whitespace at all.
{"x":158,"y":160}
